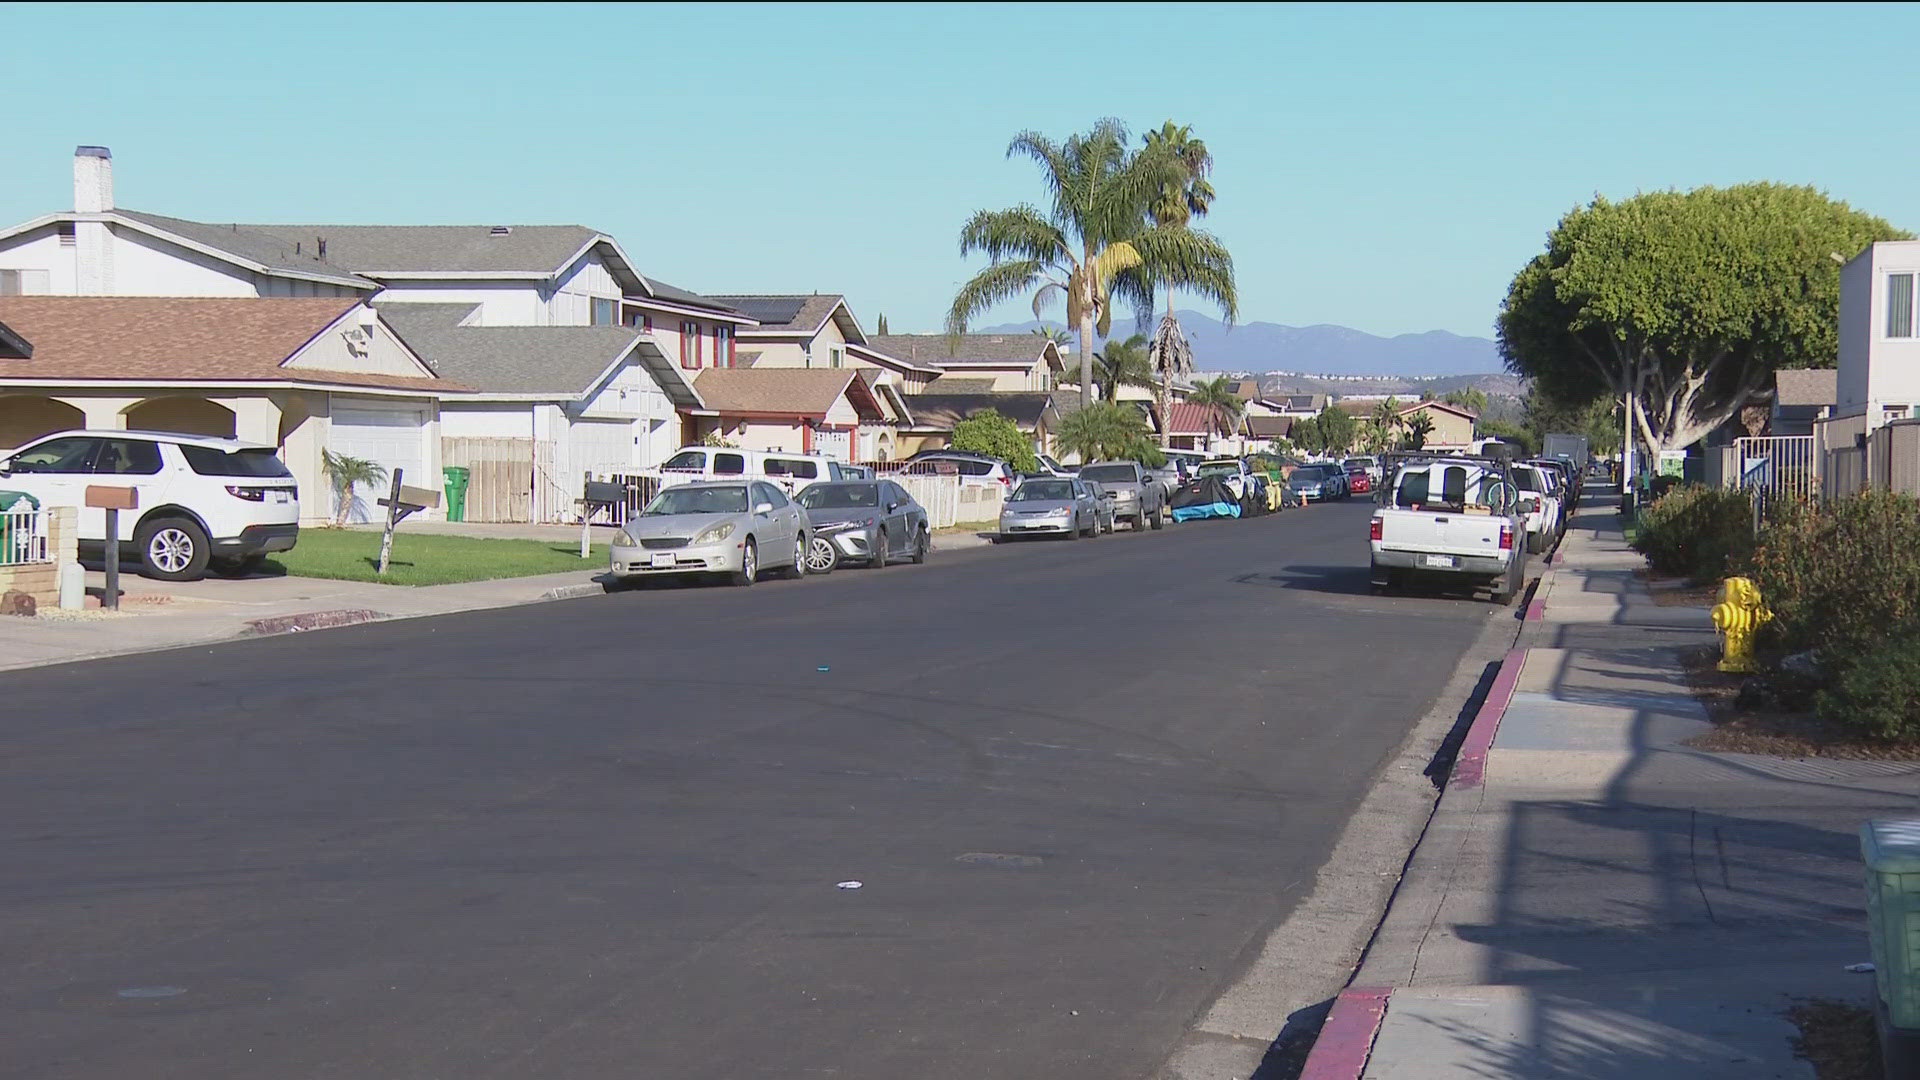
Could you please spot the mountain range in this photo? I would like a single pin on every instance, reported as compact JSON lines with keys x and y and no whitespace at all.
{"x":1316,"y":350}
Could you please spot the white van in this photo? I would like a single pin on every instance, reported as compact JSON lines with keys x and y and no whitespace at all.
{"x":790,"y":471}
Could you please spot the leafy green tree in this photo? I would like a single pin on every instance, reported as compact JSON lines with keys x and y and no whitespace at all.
{"x":1108,"y":431}
{"x":987,"y":432}
{"x":1686,"y":301}
{"x":1517,"y":434}
{"x":1096,"y":231}
{"x":1598,"y":420}
{"x":880,"y":324}
{"x":1338,"y":429}
{"x":1122,"y":363}
{"x":346,"y":473}
{"x":1308,"y":434}
{"x":1418,"y":427}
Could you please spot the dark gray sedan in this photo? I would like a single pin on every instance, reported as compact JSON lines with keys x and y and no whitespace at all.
{"x":863,"y":521}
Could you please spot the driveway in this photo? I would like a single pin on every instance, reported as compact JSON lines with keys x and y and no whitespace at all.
{"x":602,"y":838}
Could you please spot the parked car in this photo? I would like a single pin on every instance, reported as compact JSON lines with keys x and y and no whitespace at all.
{"x":1134,"y":492}
{"x":863,"y":521}
{"x":1450,"y":520}
{"x":1368,"y":465}
{"x":1316,"y":483}
{"x":1360,"y":482}
{"x":203,"y":502}
{"x":790,"y":472}
{"x":1103,"y":507}
{"x":971,"y":468}
{"x":1050,"y":466}
{"x":707,"y":527}
{"x":1537,"y":504}
{"x":1051,"y":506}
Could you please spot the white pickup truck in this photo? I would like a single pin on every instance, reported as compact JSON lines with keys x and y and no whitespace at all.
{"x":1450,"y":520}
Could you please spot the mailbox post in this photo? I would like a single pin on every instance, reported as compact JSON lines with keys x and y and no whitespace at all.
{"x":595,"y":496}
{"x":400,"y":502}
{"x":112,"y":500}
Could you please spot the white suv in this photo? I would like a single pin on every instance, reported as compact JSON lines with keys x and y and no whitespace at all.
{"x":202,"y":501}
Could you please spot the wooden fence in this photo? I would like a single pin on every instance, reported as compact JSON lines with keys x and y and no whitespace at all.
{"x":500,"y":484}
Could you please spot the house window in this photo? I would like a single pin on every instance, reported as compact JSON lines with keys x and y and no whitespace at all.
{"x":66,"y":231}
{"x":836,"y":356}
{"x":1899,"y":305}
{"x":642,"y":323}
{"x":689,"y":344}
{"x":605,"y":312}
{"x":723,"y":354}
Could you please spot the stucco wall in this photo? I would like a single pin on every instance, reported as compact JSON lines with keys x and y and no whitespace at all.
{"x":501,"y":303}
{"x":1856,"y":333}
{"x":477,"y":420}
{"x":385,"y":355}
{"x":1893,"y":375}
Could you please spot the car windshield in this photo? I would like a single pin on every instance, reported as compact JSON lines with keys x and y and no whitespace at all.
{"x":840,"y":496}
{"x":213,"y":461}
{"x":1117,"y":473}
{"x":1441,"y":486}
{"x":698,"y":500}
{"x":1359,"y":463}
{"x":1527,"y":480}
{"x":1220,"y":468}
{"x":687,"y":460}
{"x":1307,"y":474}
{"x":1044,"y":491}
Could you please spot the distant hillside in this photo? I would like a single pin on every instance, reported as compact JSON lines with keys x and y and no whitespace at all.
{"x":1277,"y":382}
{"x":1323,"y":349}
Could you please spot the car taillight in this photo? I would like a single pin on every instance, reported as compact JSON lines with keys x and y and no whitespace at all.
{"x":1506,"y":538}
{"x":1374,"y":532}
{"x":249,"y":494}
{"x":1007,"y":480}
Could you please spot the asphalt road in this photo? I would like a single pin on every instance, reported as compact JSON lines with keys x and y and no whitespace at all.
{"x":601,"y":838}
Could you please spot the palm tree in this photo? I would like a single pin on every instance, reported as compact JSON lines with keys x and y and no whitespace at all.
{"x":1055,"y":334}
{"x":1221,"y":394}
{"x":1096,"y":231}
{"x":1419,"y":426}
{"x":1104,"y":431}
{"x":1174,"y":206}
{"x":1122,"y":363}
{"x":1386,"y":417}
{"x":346,"y":473}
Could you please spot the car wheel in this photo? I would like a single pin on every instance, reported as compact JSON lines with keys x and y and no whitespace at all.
{"x":922,"y":546}
{"x":1158,"y":519}
{"x":797,"y":569}
{"x":821,"y":557}
{"x":749,"y":564}
{"x":879,"y":559}
{"x":173,"y":549}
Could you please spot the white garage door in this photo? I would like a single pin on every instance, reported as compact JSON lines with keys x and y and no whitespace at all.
{"x":600,"y":446}
{"x":393,"y":437}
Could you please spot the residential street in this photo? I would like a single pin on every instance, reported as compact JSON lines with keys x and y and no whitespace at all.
{"x":1078,"y":782}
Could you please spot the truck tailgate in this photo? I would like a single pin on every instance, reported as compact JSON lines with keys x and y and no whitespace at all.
{"x":1441,"y":533}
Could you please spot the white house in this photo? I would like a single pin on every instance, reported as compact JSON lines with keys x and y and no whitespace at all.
{"x":1879,"y":361}
{"x":547,"y":283}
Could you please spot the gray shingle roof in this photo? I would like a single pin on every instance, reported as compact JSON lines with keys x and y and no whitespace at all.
{"x":562,"y":361}
{"x":959,"y":384}
{"x":249,"y":243}
{"x":934,"y":348}
{"x":1807,"y":386}
{"x":539,"y":249}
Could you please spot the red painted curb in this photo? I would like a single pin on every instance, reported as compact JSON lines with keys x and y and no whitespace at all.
{"x":1470,"y":767}
{"x":1346,"y":1039}
{"x":1536,"y":609}
{"x":311,"y":620}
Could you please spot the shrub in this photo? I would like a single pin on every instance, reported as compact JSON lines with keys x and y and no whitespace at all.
{"x":1704,"y":533}
{"x":987,"y":432}
{"x":1843,"y":576}
{"x":1879,"y":693}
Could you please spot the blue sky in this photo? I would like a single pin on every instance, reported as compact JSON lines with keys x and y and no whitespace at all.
{"x":1386,"y":168}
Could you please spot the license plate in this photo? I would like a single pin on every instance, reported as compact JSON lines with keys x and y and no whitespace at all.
{"x":277,"y":496}
{"x":1445,"y":562}
{"x":664,"y":560}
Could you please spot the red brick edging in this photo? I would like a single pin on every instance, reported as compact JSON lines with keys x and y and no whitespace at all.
{"x":1346,"y":1039}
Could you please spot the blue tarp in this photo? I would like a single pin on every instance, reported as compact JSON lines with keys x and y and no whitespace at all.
{"x":1207,"y":510}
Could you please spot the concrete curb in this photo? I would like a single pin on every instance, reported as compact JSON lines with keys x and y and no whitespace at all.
{"x":575,"y":592}
{"x":1470,"y":766}
{"x":310,"y":620}
{"x":1346,"y":1040}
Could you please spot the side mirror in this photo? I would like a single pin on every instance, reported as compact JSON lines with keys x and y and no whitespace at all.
{"x":892,"y":506}
{"x":762,"y":509}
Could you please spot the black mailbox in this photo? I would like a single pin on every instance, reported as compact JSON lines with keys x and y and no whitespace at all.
{"x":606,"y":493}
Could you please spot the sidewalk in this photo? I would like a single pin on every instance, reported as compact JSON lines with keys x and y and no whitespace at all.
{"x":1595,"y":899}
{"x":165,"y":615}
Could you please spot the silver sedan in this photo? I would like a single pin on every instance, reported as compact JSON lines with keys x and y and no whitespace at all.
{"x":1049,"y":506}
{"x":737,"y":529}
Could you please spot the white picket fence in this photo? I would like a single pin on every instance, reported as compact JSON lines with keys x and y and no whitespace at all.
{"x":950,"y":500}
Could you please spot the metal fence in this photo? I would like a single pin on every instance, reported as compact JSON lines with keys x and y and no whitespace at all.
{"x":23,"y":537}
{"x":1776,"y":465}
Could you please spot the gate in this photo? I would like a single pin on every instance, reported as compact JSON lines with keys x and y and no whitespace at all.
{"x":500,"y":484}
{"x":1776,"y":465}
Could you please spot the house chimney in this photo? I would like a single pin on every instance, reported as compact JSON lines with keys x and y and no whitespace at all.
{"x":92,"y":179}
{"x":92,"y":240}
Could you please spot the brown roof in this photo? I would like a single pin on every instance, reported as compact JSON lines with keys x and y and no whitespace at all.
{"x":1187,"y":418}
{"x":1270,"y":427}
{"x":939,"y":412}
{"x":959,"y":384}
{"x":806,"y":392}
{"x":1807,"y":386}
{"x":164,"y":339}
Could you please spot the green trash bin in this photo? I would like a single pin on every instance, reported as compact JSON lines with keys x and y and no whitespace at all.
{"x":457,"y":478}
{"x":1891,"y":850}
{"x":14,"y":537}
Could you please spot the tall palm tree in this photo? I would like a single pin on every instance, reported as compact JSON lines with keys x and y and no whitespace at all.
{"x":1220,"y":393}
{"x":1386,"y":417}
{"x":1095,"y":232}
{"x":1187,"y":196}
{"x":1171,"y":357}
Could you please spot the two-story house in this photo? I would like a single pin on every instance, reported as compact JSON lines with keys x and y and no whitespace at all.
{"x":1879,"y":360}
{"x":573,"y":360}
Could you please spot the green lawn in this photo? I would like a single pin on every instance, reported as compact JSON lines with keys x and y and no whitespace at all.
{"x":428,"y":559}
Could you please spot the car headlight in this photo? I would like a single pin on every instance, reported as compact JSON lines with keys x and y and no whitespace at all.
{"x":623,"y":538}
{"x":713,"y":534}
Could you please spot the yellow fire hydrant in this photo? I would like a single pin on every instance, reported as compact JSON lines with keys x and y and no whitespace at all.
{"x":1738,"y":616}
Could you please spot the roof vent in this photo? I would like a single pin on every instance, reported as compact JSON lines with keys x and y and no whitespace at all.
{"x":500,"y":230}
